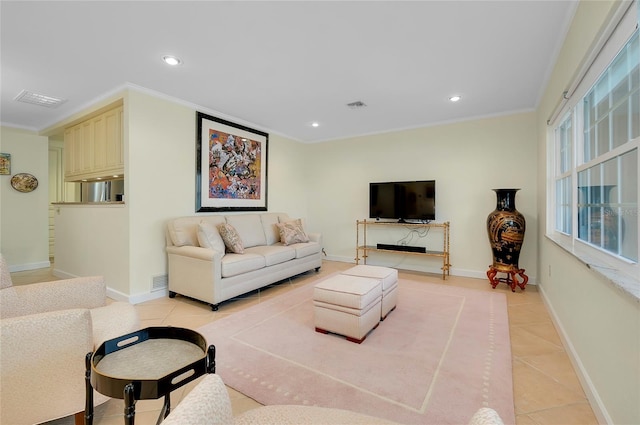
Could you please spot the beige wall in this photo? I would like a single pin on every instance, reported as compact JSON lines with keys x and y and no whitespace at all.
{"x":24,"y":216}
{"x":326,"y":183}
{"x":160,"y":179}
{"x":127,"y":242}
{"x":600,"y":324}
{"x":93,"y":240}
{"x":467,"y":160}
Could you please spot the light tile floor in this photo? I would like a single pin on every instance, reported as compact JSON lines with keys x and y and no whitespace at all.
{"x":546,"y":388}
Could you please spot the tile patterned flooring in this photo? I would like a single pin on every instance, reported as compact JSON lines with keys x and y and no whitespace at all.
{"x":546,"y":388}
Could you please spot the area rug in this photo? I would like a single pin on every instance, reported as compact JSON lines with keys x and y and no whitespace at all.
{"x":443,"y":353}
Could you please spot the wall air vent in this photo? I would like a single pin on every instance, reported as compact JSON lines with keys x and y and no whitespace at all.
{"x":39,"y":99}
{"x":357,"y":105}
{"x":159,"y":283}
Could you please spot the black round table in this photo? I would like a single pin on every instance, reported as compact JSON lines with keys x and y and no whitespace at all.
{"x":147,"y":364}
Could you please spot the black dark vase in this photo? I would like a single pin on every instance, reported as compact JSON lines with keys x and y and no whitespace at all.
{"x":506,"y":228}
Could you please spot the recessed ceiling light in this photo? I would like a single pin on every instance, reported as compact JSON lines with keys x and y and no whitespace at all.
{"x":315,"y":124}
{"x":171,"y":60}
{"x":455,"y":98}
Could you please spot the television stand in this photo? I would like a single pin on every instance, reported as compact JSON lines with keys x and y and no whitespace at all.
{"x":410,"y":221}
{"x":386,"y":248}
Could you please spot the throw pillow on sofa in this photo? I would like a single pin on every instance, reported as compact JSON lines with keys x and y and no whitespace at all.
{"x":209,"y":237}
{"x":231,"y":238}
{"x":292,"y":232}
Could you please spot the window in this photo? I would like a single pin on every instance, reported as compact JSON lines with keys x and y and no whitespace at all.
{"x":564,"y":137}
{"x":608,"y":177}
{"x":595,"y":178}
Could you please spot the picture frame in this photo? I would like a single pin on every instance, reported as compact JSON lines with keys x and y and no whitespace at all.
{"x":231,"y":166}
{"x":5,"y":164}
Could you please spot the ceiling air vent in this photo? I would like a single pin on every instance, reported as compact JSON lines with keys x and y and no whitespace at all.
{"x":357,"y":105}
{"x":39,"y":99}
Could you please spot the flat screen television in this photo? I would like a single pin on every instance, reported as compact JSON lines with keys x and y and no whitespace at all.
{"x":403,"y":201}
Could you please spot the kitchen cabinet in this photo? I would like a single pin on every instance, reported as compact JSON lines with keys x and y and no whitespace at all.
{"x":94,"y":147}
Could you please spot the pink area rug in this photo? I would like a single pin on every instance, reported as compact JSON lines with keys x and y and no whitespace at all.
{"x":441,"y":355}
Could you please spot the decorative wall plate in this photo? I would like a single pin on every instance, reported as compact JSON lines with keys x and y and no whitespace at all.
{"x":24,"y":182}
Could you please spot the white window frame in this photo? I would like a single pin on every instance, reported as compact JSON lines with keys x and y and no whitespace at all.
{"x":558,"y":173}
{"x":621,"y":30}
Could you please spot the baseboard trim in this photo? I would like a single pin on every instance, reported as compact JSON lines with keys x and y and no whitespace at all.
{"x":140,"y":298}
{"x":136,"y":299}
{"x":589,"y":389}
{"x":30,"y":266}
{"x":62,"y":275}
{"x":477,"y":274}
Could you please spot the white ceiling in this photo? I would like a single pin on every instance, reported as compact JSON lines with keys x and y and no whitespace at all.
{"x":279,"y":65}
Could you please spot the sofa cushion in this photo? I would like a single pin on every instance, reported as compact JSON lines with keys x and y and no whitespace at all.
{"x":235,"y":264}
{"x":271,"y":232}
{"x":273,"y":254}
{"x":231,"y":238}
{"x":305,"y":249}
{"x":183,"y":231}
{"x":213,"y":220}
{"x":209,"y":237}
{"x":283,"y":217}
{"x":292,"y":232}
{"x":249,"y":227}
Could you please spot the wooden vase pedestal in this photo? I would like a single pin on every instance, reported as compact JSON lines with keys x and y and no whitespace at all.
{"x":510,"y":279}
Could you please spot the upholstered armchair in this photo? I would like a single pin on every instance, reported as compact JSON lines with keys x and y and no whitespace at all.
{"x":46,"y":330}
{"x":209,"y":404}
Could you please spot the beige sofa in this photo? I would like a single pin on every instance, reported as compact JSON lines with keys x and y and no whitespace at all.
{"x":200,"y":267}
{"x":209,"y":404}
{"x":46,"y":330}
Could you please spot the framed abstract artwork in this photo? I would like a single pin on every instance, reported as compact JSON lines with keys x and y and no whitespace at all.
{"x":231,"y":166}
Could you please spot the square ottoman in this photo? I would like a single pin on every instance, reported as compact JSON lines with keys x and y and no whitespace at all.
{"x":388,"y":278}
{"x":347,"y":305}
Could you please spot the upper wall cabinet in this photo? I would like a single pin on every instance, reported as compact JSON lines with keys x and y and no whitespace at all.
{"x":93,"y":148}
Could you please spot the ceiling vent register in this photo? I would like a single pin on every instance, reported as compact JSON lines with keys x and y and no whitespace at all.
{"x":357,"y":105}
{"x":39,"y":99}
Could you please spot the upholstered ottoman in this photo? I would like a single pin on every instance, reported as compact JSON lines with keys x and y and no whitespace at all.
{"x":347,"y":305}
{"x":388,"y":278}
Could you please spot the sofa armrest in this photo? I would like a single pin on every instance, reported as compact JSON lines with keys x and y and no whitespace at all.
{"x":206,"y":404}
{"x":81,"y":292}
{"x":195,"y":272}
{"x":315,"y":237}
{"x":196,"y":252}
{"x":43,"y":365}
{"x":113,"y":320}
